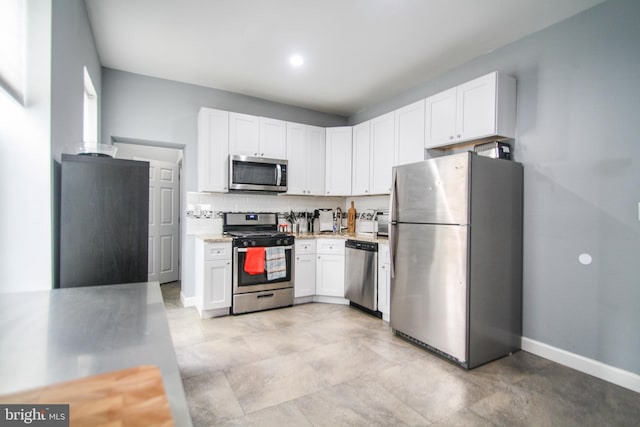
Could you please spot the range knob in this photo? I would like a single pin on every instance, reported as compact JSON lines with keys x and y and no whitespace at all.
{"x":279,"y":242}
{"x":245,"y":243}
{"x":253,"y":243}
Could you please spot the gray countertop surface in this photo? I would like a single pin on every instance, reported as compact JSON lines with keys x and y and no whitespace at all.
{"x":60,"y":335}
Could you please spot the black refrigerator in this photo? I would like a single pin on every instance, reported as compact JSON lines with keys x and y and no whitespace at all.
{"x":104,"y":221}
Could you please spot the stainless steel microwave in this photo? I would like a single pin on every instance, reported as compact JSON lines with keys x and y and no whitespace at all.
{"x":257,"y":174}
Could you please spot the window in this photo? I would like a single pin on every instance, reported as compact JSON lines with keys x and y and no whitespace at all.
{"x":12,"y":47}
{"x":90,"y":116}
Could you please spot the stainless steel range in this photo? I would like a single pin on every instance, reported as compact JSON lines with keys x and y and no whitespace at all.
{"x":263,"y":262}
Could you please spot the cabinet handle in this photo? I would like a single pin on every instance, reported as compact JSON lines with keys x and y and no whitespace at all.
{"x":451,"y":137}
{"x":255,"y":154}
{"x":458,"y":136}
{"x":366,"y":191}
{"x":298,"y":258}
{"x":261,"y":154}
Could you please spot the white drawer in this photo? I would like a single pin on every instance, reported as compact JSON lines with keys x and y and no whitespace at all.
{"x":214,"y":251}
{"x":383,"y":253}
{"x":306,"y":246}
{"x":330,"y":246}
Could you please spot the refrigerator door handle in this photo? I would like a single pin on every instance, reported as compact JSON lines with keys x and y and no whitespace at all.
{"x":392,"y":222}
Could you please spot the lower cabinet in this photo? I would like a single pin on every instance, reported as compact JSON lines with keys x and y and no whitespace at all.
{"x":330,"y":268}
{"x":213,"y":278}
{"x":305,"y":268}
{"x":384,"y":281}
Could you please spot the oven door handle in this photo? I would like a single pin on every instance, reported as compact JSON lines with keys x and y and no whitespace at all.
{"x":245,"y":249}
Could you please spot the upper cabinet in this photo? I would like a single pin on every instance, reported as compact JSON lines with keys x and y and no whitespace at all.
{"x":360,"y":185}
{"x":481,"y":108}
{"x":257,"y":136}
{"x":306,"y":156}
{"x":382,"y":152}
{"x":409,"y":142}
{"x":373,"y":153}
{"x":273,"y":138}
{"x":213,"y":150}
{"x":338,"y":161}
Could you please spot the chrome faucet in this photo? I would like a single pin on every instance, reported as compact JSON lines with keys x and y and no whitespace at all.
{"x":339,"y":220}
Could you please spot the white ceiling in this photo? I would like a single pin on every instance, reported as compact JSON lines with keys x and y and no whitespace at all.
{"x":357,"y":52}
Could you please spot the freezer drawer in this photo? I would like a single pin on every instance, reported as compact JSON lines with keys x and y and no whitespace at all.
{"x":429,"y":289}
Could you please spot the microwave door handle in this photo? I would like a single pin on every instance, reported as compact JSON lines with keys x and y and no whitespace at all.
{"x":278,"y":174}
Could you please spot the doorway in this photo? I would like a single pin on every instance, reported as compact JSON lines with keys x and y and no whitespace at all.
{"x":165,"y":166}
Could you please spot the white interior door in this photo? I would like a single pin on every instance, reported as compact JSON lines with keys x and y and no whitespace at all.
{"x":164,"y":226}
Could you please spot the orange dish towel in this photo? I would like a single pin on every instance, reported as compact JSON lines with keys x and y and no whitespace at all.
{"x":254,"y":261}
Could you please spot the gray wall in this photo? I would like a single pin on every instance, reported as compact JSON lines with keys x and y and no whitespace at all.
{"x":578,"y":108}
{"x":136,"y":107}
{"x":72,"y":49}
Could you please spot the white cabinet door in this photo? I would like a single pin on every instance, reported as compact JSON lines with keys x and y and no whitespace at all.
{"x":316,"y":153}
{"x":297,"y":153}
{"x":440,"y":119}
{"x":244,"y":134}
{"x":305,"y":275}
{"x":361,"y":161}
{"x":409,"y":141}
{"x":273,"y":138}
{"x":382,"y":151}
{"x":213,"y":150}
{"x":217,"y":285}
{"x":338,"y":161}
{"x":330,"y":275}
{"x":476,"y":108}
{"x":481,"y":108}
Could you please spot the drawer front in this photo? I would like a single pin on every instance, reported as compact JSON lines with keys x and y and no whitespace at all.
{"x":215,"y":251}
{"x":307,"y":246}
{"x":330,"y":246}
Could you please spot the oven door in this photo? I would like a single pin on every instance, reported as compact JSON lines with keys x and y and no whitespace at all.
{"x":244,"y":282}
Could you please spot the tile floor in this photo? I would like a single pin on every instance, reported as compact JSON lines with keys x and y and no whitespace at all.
{"x":332,"y":365}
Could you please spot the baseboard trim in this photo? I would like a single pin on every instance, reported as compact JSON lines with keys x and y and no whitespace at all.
{"x":330,"y":300}
{"x":187,"y":301}
{"x":592,"y":367}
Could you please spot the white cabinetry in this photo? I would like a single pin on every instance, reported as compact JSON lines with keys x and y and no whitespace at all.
{"x":306,"y":156}
{"x":409,"y":141}
{"x":481,"y":108}
{"x":213,"y":278}
{"x":257,"y":136}
{"x":373,"y":151}
{"x":273,"y":138}
{"x":213,"y":150}
{"x":361,"y":159}
{"x":305,"y":270}
{"x":330,"y":268}
{"x":384,"y":281}
{"x":338,"y":161}
{"x":382,"y":151}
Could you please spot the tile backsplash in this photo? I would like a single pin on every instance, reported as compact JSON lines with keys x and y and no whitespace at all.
{"x":203,"y":208}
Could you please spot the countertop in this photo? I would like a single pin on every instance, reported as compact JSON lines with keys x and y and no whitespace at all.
{"x":219,"y":238}
{"x":64,"y":334}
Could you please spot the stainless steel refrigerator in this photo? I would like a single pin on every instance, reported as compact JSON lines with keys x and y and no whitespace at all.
{"x":456,"y":256}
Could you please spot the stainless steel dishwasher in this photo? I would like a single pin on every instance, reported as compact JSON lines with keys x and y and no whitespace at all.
{"x":361,"y":274}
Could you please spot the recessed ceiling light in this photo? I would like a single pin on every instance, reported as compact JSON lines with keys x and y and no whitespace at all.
{"x":296,"y":60}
